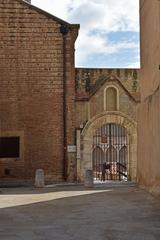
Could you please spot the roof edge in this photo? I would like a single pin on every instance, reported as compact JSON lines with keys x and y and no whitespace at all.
{"x":49,"y":15}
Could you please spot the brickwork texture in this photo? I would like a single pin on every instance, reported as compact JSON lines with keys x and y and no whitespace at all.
{"x":31,"y":92}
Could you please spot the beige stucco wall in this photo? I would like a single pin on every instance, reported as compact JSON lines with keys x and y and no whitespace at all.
{"x":149,"y":109}
{"x":150,"y":48}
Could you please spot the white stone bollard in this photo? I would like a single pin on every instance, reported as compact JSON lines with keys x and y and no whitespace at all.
{"x":88,"y":181}
{"x":39,"y":178}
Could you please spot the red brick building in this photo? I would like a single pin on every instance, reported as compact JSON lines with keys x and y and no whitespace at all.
{"x":37,"y":118}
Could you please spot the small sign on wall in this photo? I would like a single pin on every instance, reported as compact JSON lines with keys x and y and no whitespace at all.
{"x":71,"y":148}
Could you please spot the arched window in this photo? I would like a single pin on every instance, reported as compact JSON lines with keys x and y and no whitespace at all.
{"x":123,"y":156}
{"x":98,"y":156}
{"x":98,"y":160}
{"x":111,"y":99}
{"x":111,"y":155}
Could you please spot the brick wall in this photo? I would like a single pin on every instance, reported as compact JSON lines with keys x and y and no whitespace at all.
{"x":31,"y":79}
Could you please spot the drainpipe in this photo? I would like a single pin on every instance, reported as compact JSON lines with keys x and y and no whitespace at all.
{"x":64,"y":31}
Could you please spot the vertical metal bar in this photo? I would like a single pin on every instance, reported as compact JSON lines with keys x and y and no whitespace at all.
{"x":93,"y":154}
{"x":99,"y":155}
{"x":115,"y":143}
{"x":126,"y":153}
{"x":112,"y":153}
{"x":113,"y":127}
{"x":128,"y":150}
{"x":100,"y":165}
{"x":121,"y":168}
{"x":119,"y":147}
{"x":107,"y":149}
{"x":110,"y":150}
{"x":96,"y":154}
{"x":102,"y":160}
{"x":122,"y":150}
{"x":116,"y":133}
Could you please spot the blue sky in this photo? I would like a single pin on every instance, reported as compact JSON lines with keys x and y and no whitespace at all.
{"x":109,"y":32}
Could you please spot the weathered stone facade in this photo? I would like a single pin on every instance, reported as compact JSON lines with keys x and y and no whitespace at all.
{"x":47,"y":106}
{"x":92,"y":111}
{"x":149,"y":110}
{"x":32,"y":89}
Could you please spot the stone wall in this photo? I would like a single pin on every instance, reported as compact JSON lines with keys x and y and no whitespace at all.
{"x":92,"y":112}
{"x":149,"y":110}
{"x":90,"y":91}
{"x":31,"y":92}
{"x":89,"y":76}
{"x":87,"y":141}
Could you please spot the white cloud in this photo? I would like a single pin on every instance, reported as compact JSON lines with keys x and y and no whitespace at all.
{"x":97,"y":19}
{"x":96,"y":44}
{"x":106,"y":15}
{"x":58,"y":8}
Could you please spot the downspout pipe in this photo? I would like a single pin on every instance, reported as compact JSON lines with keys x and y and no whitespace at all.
{"x":64,"y":29}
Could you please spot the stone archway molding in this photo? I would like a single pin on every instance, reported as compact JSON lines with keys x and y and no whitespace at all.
{"x":97,"y":122}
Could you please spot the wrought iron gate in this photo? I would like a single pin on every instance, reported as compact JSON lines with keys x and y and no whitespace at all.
{"x":110,"y":153}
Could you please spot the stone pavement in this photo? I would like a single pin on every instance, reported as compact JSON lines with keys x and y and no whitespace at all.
{"x":74,"y":213}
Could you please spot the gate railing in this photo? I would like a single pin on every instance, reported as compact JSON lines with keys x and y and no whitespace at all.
{"x":110,"y":153}
{"x":121,"y":169}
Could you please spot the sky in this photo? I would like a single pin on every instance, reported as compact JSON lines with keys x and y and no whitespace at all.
{"x":109,"y":30}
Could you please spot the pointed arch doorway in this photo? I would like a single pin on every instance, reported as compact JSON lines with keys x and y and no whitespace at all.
{"x":110,"y":153}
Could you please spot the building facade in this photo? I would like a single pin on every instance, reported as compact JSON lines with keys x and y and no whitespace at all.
{"x":50,"y":112}
{"x":106,"y":106}
{"x":36,"y":73}
{"x":149,"y":110}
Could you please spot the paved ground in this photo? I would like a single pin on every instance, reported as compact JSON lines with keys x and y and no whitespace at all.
{"x":73,"y":213}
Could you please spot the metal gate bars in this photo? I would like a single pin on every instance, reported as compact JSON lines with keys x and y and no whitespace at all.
{"x":110,"y":153}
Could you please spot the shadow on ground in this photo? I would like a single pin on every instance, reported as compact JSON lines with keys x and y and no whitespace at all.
{"x":78,"y":214}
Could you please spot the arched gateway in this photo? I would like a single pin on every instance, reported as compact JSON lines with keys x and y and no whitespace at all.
{"x":109,"y":152}
{"x":111,"y":139}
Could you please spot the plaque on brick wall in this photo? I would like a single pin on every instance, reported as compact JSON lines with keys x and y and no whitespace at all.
{"x":71,"y":148}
